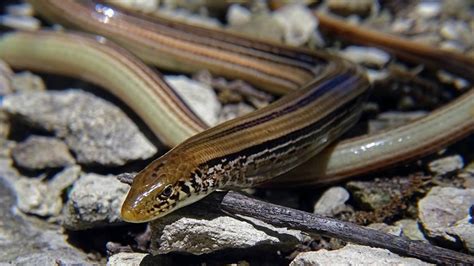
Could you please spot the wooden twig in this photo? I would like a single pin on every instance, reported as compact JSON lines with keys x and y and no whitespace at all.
{"x":237,"y":203}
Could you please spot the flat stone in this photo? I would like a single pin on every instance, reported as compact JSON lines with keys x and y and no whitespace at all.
{"x":97,"y":131}
{"x":200,"y":97}
{"x":332,"y":201}
{"x":39,"y":152}
{"x":354,"y":255}
{"x":199,"y":229}
{"x":44,"y":198}
{"x":446,"y":165}
{"x":446,"y":212}
{"x":23,"y":242}
{"x":125,"y":258}
{"x":94,"y":201}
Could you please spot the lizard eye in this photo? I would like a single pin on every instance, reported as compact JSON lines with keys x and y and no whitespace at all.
{"x":167,"y":191}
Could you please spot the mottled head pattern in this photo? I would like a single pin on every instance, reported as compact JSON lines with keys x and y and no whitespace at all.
{"x":162,"y":187}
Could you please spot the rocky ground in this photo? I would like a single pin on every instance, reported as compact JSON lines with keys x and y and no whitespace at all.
{"x":63,"y":142}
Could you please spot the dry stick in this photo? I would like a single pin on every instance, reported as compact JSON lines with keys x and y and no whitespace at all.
{"x":315,"y":224}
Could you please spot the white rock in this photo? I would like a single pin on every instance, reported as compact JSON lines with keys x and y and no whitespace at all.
{"x":443,"y":213}
{"x":446,"y":165}
{"x":27,"y":81}
{"x":366,"y":55}
{"x":124,"y":258}
{"x":331,"y":201}
{"x":238,"y":15}
{"x":297,"y":22}
{"x":428,"y":9}
{"x":353,"y":255}
{"x":20,"y":22}
{"x":201,"y":98}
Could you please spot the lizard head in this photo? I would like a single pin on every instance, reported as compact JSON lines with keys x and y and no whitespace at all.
{"x":165,"y":185}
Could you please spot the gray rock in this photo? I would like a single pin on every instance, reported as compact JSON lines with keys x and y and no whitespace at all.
{"x":353,"y":255}
{"x":446,"y":165}
{"x":332,"y":201}
{"x":201,"y":230}
{"x":411,"y":229}
{"x":445,"y":213}
{"x":27,"y":81}
{"x":39,"y":152}
{"x":95,"y":130}
{"x":94,"y":201}
{"x":23,"y":242}
{"x":123,"y":258}
{"x":201,"y":98}
{"x":44,"y":198}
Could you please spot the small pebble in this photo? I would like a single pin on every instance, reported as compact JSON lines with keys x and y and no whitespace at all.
{"x":331,"y":201}
{"x":298,"y":23}
{"x":446,"y":165}
{"x":411,"y":229}
{"x":368,"y":56}
{"x":20,"y":22}
{"x":428,"y":9}
{"x":238,"y":15}
{"x":455,"y":30}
